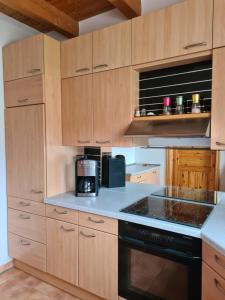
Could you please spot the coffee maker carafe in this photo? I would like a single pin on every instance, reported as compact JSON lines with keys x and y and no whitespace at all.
{"x":87,"y":177}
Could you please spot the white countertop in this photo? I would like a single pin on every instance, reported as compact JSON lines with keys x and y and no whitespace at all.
{"x":135,"y":169}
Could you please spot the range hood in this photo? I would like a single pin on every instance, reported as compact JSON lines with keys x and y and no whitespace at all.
{"x":190,"y":125}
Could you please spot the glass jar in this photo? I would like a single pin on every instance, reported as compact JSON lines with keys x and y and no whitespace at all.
{"x":179,"y":105}
{"x":167,"y":106}
{"x":196,"y":106}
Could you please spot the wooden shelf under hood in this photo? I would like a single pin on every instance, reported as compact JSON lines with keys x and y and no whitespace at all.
{"x":206,"y":115}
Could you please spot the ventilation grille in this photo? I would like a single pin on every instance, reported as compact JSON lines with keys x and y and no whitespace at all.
{"x":182,"y":80}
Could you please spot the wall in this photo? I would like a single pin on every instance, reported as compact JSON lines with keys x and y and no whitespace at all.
{"x":10,"y":31}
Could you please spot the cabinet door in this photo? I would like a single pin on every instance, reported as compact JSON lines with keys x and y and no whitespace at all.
{"x":76,"y":56}
{"x":112,"y":47}
{"x":25,"y":145}
{"x":113,"y":106}
{"x":77,"y":110}
{"x":176,"y":30}
{"x":62,"y":250}
{"x":98,"y":263}
{"x":218,"y":103}
{"x":219,"y":24}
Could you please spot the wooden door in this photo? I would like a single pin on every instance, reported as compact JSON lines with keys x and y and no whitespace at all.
{"x":25,"y":150}
{"x":76,"y":56}
{"x":193,"y":169}
{"x":219,"y":24}
{"x":218,"y":102}
{"x":112,"y":47}
{"x":62,"y":250}
{"x":113,"y":106}
{"x":77,"y":110}
{"x":98,"y":263}
{"x":176,"y":30}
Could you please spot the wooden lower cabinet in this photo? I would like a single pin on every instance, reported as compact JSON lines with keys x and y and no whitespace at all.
{"x":62,"y":250}
{"x":98,"y":263}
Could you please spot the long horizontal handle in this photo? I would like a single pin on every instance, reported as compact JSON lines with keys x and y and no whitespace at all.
{"x":25,"y":243}
{"x":36,"y":191}
{"x":22,"y":100}
{"x":25,"y":217}
{"x":96,"y":221}
{"x":22,"y":203}
{"x":67,"y":229}
{"x":101,"y":66}
{"x":82,"y":70}
{"x":220,"y":144}
{"x":219,"y":286}
{"x":34,"y":70}
{"x":87,"y":235}
{"x":65,"y":212}
{"x":219,"y":261}
{"x":103,"y":142}
{"x":83,"y":142}
{"x":195,"y":45}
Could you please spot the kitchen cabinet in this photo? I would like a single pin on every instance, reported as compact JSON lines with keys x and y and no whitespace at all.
{"x":98,"y":263}
{"x":219,"y":24}
{"x":113,"y":106}
{"x":62,"y":250}
{"x":24,"y":58}
{"x":218,"y":103}
{"x":152,"y":177}
{"x":77,"y":110}
{"x":76,"y":56}
{"x":176,"y":30}
{"x":112,"y":47}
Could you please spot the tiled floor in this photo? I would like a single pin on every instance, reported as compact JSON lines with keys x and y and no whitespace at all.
{"x":17,"y":285}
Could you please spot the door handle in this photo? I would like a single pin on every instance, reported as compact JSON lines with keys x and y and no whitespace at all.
{"x":25,"y":243}
{"x":32,"y":71}
{"x":195,"y":45}
{"x":101,"y":66}
{"x":82,"y":70}
{"x":22,"y":203}
{"x":67,"y":229}
{"x":96,"y":221}
{"x":103,"y":142}
{"x":65,"y":212}
{"x":23,"y":100}
{"x":87,"y":235}
{"x":83,"y":142}
{"x":36,"y":192}
{"x":219,"y":261}
{"x":25,"y":217}
{"x":220,"y":144}
{"x":219,"y":286}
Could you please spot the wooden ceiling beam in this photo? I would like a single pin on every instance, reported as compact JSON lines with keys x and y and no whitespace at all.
{"x":43,"y":12}
{"x":130,"y":8}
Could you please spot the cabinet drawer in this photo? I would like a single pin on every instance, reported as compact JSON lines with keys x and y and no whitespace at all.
{"x":24,"y":91}
{"x":213,"y":285}
{"x":27,"y":225}
{"x":214,"y":259}
{"x":27,"y":206}
{"x":62,"y":214}
{"x":98,"y":222}
{"x":27,"y":251}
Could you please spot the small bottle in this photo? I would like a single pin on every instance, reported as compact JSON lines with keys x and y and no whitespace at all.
{"x":143,"y":112}
{"x":137,"y":112}
{"x":167,"y":106}
{"x":179,"y":105}
{"x":196,"y":107}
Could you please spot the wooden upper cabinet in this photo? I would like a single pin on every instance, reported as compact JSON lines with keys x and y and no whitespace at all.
{"x":77,"y":110}
{"x":219,"y":23}
{"x":112,"y":47}
{"x":218,"y":101}
{"x":25,"y":150}
{"x":23,"y":58}
{"x":113,"y":106}
{"x":176,"y":30}
{"x":76,"y":56}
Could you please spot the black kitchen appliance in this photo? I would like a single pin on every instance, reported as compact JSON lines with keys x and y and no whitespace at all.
{"x":87,"y":177}
{"x":113,"y":171}
{"x":156,"y":264}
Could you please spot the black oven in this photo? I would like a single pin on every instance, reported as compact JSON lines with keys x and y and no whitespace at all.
{"x":158,"y":264}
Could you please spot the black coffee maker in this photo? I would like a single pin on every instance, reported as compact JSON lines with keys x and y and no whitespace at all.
{"x":87,"y":177}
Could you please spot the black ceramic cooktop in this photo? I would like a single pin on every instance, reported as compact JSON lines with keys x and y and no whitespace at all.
{"x":181,"y":212}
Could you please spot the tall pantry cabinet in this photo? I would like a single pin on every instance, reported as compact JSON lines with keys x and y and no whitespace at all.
{"x":37,"y":163}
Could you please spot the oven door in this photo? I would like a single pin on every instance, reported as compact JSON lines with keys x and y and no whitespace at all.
{"x":150,"y":272}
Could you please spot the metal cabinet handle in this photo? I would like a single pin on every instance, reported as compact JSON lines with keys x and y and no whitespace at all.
{"x":83,"y":142}
{"x":103,"y":142}
{"x":25,"y":243}
{"x":65,"y":212}
{"x":25,"y":217}
{"x":87,"y":235}
{"x":219,"y":261}
{"x":220,"y":144}
{"x":82,"y":70}
{"x":195,"y":45}
{"x":101,"y":66}
{"x":32,"y":71}
{"x":67,"y":229}
{"x":22,"y":203}
{"x":96,"y":221}
{"x":22,"y":100}
{"x":36,"y":192}
{"x":138,"y":177}
{"x":219,"y":286}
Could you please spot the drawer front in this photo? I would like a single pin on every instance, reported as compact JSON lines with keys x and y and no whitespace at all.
{"x":27,"y":251}
{"x":98,"y":222}
{"x":27,"y":225}
{"x":214,"y":259}
{"x":62,"y":214}
{"x":137,"y":178}
{"x":27,"y":206}
{"x":24,"y":91}
{"x":213,"y":285}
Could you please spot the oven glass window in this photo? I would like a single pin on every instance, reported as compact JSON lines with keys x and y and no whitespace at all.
{"x":155,"y":276}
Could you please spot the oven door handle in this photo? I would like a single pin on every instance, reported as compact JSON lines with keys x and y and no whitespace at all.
{"x":157,"y":250}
